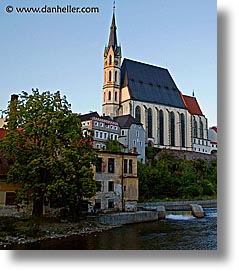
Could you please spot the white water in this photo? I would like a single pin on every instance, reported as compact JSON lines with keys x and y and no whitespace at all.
{"x":179,"y":217}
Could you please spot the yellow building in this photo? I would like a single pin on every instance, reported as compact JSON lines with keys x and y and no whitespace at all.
{"x":116,"y":174}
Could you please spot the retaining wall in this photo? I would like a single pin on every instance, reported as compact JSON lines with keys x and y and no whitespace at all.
{"x":127,"y":218}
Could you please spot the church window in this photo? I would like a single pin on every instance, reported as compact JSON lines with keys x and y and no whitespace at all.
{"x":116,"y":76}
{"x":195,"y":127}
{"x":201,"y":129}
{"x":138,"y":114}
{"x":110,"y":60}
{"x":150,"y":123}
{"x":116,"y":96}
{"x":110,"y":76}
{"x":161,"y":128}
{"x":109,"y":95}
{"x":172,"y":129}
{"x":182,"y":124}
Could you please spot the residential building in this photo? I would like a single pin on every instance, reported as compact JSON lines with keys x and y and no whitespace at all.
{"x":116,"y":174}
{"x":102,"y":129}
{"x":132,"y":135}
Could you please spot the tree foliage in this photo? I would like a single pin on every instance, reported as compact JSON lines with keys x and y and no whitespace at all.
{"x":169,"y":177}
{"x":51,"y":158}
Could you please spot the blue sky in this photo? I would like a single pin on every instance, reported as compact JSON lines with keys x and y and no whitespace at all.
{"x":65,"y":51}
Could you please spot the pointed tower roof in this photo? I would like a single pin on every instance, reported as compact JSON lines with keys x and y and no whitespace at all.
{"x":113,"y":36}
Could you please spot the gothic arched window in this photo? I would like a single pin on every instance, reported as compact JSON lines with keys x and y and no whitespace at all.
{"x":109,"y":95}
{"x":150,"y":123}
{"x":138,"y":113}
{"x":116,"y":76}
{"x":161,"y":128}
{"x":110,"y":76}
{"x":195,"y":127}
{"x":116,"y":96}
{"x":110,"y":60}
{"x":201,"y":129}
{"x":182,"y":128}
{"x":172,"y":128}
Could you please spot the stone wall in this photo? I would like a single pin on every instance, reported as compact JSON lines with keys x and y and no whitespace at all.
{"x":127,"y":218}
{"x":189,"y":155}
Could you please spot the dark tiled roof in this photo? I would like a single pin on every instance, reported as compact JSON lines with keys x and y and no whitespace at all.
{"x":192,"y":105}
{"x":88,"y":116}
{"x":150,"y":84}
{"x":126,"y":121}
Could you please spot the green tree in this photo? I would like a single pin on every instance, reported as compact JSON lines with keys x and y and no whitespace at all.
{"x":113,"y":146}
{"x":51,"y":158}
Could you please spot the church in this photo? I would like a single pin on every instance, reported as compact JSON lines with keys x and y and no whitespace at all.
{"x":170,"y":119}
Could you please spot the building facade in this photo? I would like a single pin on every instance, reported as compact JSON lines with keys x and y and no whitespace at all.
{"x":102,"y":129}
{"x":116,"y":174}
{"x":132,"y":135}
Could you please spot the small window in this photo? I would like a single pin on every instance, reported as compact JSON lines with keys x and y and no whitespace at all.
{"x":105,"y":135}
{"x":122,"y":132}
{"x":96,"y":134}
{"x":101,"y":135}
{"x":110,"y":203}
{"x":130,"y":166}
{"x":116,"y":76}
{"x":134,"y":142}
{"x":98,"y":186}
{"x":96,"y":123}
{"x":99,"y":165}
{"x":110,"y":186}
{"x":116,"y":96}
{"x":125,"y":166}
{"x":109,"y":95}
{"x":111,"y":164}
{"x":10,"y":198}
{"x":137,"y":133}
{"x":97,"y":204}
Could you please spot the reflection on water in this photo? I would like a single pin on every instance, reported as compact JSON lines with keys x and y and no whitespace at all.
{"x":176,"y":232}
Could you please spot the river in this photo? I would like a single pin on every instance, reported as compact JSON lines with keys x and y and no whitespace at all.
{"x":176,"y":232}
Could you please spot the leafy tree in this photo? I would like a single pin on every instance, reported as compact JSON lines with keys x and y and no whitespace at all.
{"x":172,"y":177}
{"x":52,"y":159}
{"x":113,"y":146}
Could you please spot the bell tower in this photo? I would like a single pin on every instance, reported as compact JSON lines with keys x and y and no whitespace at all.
{"x":112,"y":63}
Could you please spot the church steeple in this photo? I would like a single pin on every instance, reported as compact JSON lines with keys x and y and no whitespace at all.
{"x":113,"y":35}
{"x":112,"y":64}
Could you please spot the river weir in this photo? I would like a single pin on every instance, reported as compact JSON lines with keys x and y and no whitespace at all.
{"x":178,"y":231}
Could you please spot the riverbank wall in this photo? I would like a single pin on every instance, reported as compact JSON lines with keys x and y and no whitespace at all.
{"x":126,"y":218}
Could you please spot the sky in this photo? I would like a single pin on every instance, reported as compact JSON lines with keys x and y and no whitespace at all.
{"x":65,"y":51}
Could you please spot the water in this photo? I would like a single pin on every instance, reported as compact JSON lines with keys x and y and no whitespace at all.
{"x":176,"y":232}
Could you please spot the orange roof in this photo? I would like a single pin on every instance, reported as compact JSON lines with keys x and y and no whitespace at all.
{"x":192,"y":105}
{"x":2,"y":133}
{"x":214,"y":128}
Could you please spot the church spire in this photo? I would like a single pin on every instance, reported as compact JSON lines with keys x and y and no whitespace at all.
{"x":113,"y":28}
